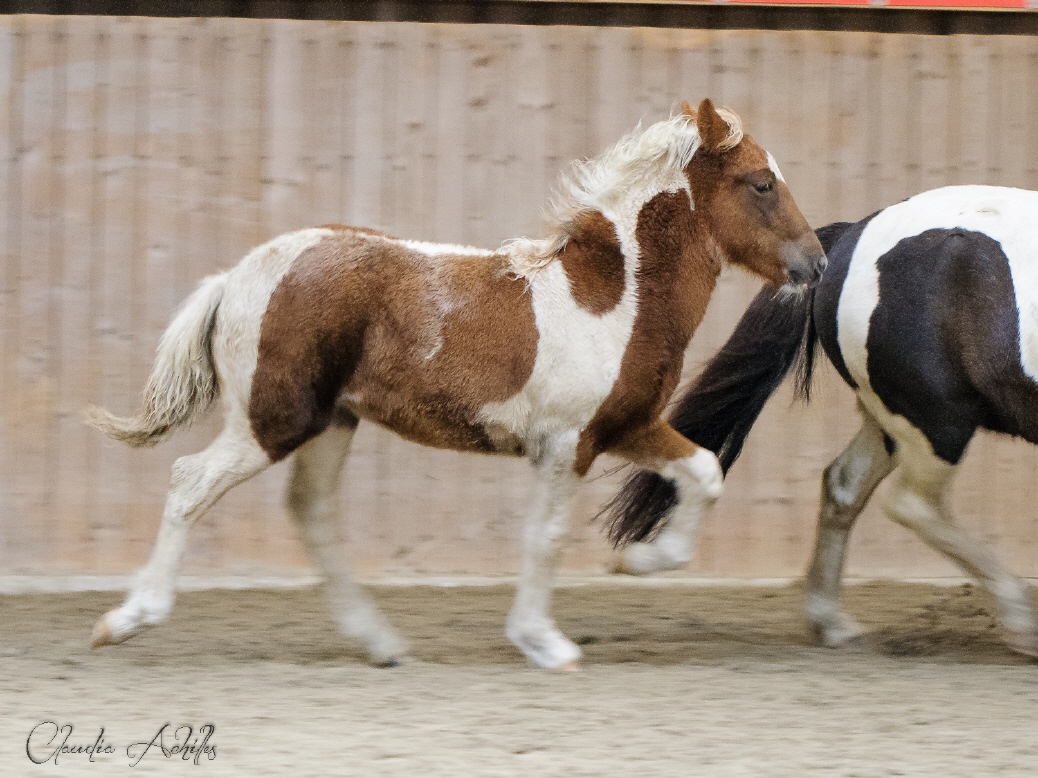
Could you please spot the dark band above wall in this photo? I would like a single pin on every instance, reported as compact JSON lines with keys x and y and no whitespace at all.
{"x":851,"y":15}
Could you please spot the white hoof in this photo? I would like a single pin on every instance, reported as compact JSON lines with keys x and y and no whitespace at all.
{"x":647,"y":558}
{"x":545,"y":647}
{"x":114,"y":628}
{"x":836,"y":630}
{"x":388,"y":650}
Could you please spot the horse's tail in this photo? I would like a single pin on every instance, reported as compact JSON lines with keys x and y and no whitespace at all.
{"x":775,"y":334}
{"x":183,"y":380}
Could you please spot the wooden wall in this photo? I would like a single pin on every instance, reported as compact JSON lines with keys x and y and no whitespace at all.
{"x":140,"y":154}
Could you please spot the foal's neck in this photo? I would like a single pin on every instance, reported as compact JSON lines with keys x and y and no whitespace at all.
{"x":679,"y":261}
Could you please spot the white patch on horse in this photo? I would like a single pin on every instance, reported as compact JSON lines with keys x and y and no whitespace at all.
{"x":699,"y":481}
{"x":441,"y":301}
{"x":773,"y":165}
{"x":441,"y":249}
{"x":575,"y":348}
{"x":577,"y":362}
{"x":1006,"y":215}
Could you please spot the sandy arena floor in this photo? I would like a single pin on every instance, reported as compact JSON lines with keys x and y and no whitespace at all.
{"x":678,"y":681}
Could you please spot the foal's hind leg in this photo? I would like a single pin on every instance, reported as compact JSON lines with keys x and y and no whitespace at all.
{"x":197,"y":482}
{"x":313,"y":500}
{"x":918,"y":501}
{"x":847,"y":485}
{"x":697,"y":475}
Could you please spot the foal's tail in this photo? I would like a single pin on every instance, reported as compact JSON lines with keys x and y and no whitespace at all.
{"x":717,"y":411}
{"x":183,"y":380}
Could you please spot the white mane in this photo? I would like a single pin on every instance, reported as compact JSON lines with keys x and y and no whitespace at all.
{"x":599,"y":184}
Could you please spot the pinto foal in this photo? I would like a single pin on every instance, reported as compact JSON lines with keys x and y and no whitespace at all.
{"x":558,"y":350}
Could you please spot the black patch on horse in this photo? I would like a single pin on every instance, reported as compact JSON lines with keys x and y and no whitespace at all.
{"x":943,"y":343}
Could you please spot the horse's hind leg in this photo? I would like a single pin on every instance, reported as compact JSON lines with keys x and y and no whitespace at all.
{"x":919,"y":502}
{"x":313,"y":501}
{"x":697,"y":475}
{"x":847,"y":485}
{"x":197,"y":482}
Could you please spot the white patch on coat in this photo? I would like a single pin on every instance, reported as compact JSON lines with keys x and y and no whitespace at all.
{"x":441,"y":249}
{"x":699,"y":481}
{"x":578,"y":359}
{"x":773,"y":165}
{"x":579,"y":353}
{"x":424,"y":247}
{"x":1009,"y":216}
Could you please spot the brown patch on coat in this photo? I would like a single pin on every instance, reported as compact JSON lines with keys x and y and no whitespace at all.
{"x":594,"y":263}
{"x":417,"y":344}
{"x":653,"y":446}
{"x":676,"y":279}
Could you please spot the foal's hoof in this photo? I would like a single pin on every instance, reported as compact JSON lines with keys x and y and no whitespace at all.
{"x":393,"y":661}
{"x":102,"y":635}
{"x":1025,"y":643}
{"x":647,"y":558}
{"x":570,"y":667}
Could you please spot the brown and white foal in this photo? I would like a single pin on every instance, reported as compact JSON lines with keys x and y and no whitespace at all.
{"x":558,"y":350}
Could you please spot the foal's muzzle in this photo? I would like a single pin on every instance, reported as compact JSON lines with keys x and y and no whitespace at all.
{"x":805,"y":262}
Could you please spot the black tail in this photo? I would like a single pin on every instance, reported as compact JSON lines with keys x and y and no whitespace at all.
{"x":775,"y":334}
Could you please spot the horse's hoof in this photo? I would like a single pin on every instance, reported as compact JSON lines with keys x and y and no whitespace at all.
{"x":1025,"y":643}
{"x":102,"y":635}
{"x":847,"y":632}
{"x":618,"y":566}
{"x":393,"y":661}
{"x":570,"y":667}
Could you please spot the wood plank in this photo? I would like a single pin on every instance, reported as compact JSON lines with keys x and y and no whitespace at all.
{"x":41,"y":106}
{"x":14,"y":531}
{"x":120,"y":340}
{"x":76,"y":443}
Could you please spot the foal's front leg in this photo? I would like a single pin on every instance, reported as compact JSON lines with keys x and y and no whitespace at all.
{"x":697,"y":476}
{"x":530,"y":626}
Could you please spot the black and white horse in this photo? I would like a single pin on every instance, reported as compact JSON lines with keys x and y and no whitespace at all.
{"x":929,"y":311}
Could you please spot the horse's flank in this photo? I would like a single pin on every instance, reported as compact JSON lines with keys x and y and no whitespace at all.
{"x":334,"y":332}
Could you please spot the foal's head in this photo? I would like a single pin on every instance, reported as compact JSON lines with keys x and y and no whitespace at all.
{"x":738,"y":189}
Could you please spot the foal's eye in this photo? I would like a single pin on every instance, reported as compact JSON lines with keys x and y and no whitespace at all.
{"x":763,"y":188}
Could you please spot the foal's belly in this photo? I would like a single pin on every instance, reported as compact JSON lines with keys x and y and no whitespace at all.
{"x":445,"y":424}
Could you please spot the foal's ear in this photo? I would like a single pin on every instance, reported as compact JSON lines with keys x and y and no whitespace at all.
{"x":688,"y":111}
{"x":713,"y":130}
